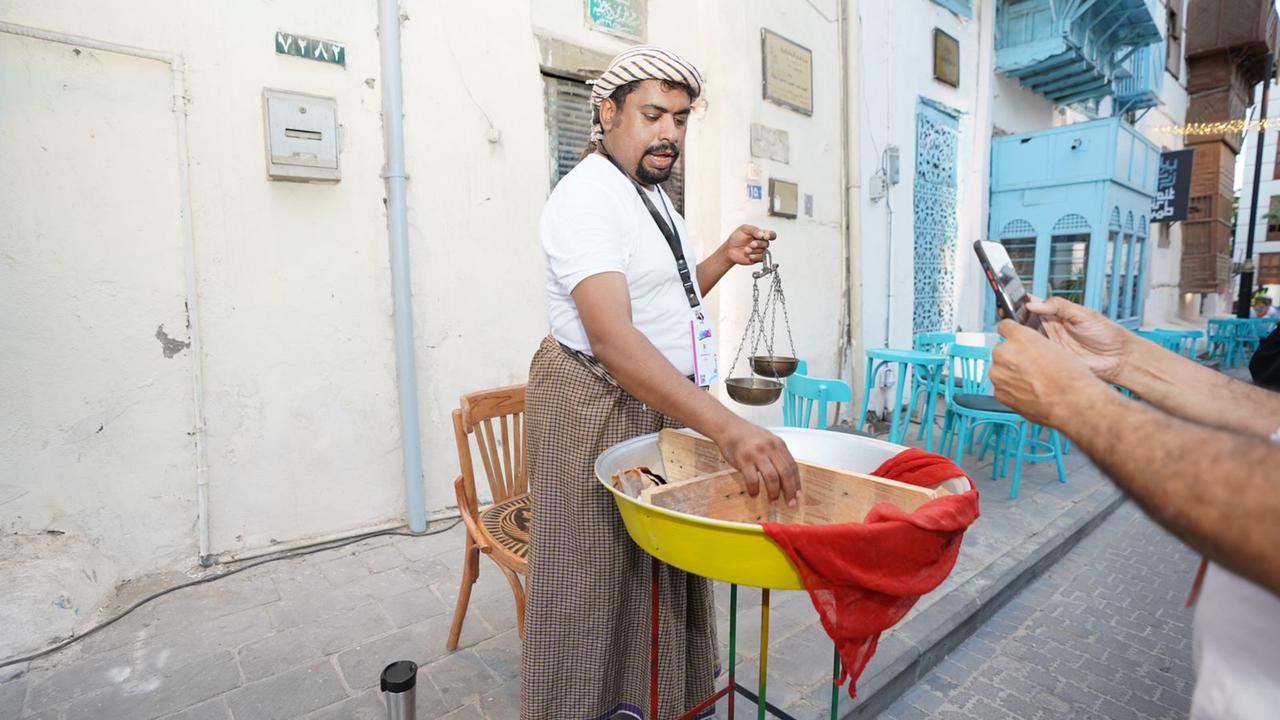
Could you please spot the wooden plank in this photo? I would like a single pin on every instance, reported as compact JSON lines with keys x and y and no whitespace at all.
{"x":686,"y":456}
{"x":830,"y":495}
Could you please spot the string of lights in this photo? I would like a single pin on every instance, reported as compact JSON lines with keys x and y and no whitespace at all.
{"x":1216,"y":128}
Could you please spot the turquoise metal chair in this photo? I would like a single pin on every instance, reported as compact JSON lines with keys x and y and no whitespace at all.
{"x":1219,"y":342}
{"x":927,"y":387}
{"x":1232,"y":341}
{"x":1188,"y":340}
{"x":1167,"y":340}
{"x":805,"y":399}
{"x":970,"y":405}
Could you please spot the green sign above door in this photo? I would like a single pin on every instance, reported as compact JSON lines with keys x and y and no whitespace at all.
{"x":311,"y":48}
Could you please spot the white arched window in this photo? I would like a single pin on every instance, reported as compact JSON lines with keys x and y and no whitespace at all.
{"x":1069,"y":257}
{"x":1139,"y":262}
{"x":1019,"y":239}
{"x":1127,"y":277}
{"x":1109,"y":270}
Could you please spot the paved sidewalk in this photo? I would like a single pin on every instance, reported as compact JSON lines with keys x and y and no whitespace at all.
{"x":1104,"y":634}
{"x":307,"y":638}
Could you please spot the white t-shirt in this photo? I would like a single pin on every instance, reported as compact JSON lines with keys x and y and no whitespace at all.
{"x":595,"y":222}
{"x":1235,"y":649}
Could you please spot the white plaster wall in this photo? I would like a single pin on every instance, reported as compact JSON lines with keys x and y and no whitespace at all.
{"x":94,"y":436}
{"x":808,"y":248}
{"x":1018,"y":110}
{"x":896,"y":65}
{"x":303,"y":430}
{"x":294,"y":279}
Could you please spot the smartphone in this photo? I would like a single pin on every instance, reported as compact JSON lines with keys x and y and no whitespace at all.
{"x":1011,"y":294}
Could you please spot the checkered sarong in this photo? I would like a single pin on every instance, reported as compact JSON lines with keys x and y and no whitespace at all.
{"x":586,"y":644}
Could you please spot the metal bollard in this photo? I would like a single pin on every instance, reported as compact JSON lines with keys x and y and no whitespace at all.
{"x":399,"y":680}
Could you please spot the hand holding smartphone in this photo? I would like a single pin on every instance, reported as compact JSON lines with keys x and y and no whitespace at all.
{"x":1011,"y":294}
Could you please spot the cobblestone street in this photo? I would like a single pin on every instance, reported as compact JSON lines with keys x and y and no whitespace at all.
{"x":1103,"y":634}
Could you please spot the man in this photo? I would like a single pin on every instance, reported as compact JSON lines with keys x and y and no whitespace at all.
{"x":629,"y":347}
{"x":1200,"y":456}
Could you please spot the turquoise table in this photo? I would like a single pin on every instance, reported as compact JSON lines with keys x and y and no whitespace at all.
{"x":925,"y":363}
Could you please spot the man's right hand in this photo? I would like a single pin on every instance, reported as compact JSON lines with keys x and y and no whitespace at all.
{"x":1103,"y":345}
{"x":761,"y":456}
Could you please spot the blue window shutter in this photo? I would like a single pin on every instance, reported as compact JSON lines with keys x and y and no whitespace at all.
{"x":963,"y":8}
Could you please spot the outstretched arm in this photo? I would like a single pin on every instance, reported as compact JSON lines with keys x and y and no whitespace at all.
{"x":1214,"y":489}
{"x":1171,"y":382}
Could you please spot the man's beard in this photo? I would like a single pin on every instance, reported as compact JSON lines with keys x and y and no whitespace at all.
{"x":657,"y":177}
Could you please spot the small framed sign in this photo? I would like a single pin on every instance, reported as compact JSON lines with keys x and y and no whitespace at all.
{"x":788,"y":72}
{"x":784,"y":198}
{"x":946,"y":58}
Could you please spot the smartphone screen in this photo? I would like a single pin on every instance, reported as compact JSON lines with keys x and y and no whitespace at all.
{"x":1011,"y":294}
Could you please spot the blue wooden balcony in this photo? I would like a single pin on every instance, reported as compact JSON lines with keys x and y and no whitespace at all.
{"x":1140,"y":88}
{"x":1072,"y":50}
{"x":1071,"y":205}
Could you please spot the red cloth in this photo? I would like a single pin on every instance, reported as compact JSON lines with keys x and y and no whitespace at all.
{"x":864,"y":577}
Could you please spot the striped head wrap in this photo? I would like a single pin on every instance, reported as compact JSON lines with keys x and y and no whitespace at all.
{"x":643,"y":62}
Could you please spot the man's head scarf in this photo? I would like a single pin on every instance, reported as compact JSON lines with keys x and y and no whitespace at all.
{"x":643,"y":62}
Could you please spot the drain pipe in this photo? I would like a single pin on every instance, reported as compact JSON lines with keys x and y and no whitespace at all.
{"x":398,"y":236}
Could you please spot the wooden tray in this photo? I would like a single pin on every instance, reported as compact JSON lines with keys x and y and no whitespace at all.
{"x":700,"y":482}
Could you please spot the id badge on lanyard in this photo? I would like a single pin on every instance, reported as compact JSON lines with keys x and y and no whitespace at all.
{"x":706,"y":362}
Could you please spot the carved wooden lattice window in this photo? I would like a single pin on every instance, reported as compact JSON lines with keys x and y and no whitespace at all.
{"x":1269,"y":269}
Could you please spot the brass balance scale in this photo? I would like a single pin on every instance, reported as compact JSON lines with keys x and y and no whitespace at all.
{"x":763,"y":386}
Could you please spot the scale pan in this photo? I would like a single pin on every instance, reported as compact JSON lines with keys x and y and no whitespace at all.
{"x":753,"y":390}
{"x":774,"y":366}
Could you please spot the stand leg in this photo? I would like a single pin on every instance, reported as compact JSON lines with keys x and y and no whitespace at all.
{"x":653,"y":644}
{"x":733,"y":645}
{"x":835,"y":684}
{"x":761,"y":706}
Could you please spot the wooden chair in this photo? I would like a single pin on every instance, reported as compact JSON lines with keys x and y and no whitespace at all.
{"x":495,"y":419}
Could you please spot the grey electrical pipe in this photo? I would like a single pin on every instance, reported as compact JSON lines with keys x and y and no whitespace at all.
{"x":398,"y":235}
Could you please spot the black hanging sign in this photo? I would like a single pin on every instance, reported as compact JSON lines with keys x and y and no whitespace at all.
{"x":1173,"y":186}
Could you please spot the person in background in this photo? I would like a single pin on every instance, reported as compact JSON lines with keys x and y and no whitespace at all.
{"x":630,"y":353}
{"x":1199,"y":456}
{"x":1262,"y":308}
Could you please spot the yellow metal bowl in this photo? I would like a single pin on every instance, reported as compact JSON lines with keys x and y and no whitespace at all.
{"x":727,"y":551}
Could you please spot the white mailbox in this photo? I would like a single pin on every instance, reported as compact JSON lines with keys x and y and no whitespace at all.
{"x":302,"y":136}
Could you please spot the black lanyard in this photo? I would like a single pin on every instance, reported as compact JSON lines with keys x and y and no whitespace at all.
{"x":669,"y":232}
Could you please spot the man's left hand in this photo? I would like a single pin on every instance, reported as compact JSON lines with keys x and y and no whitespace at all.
{"x":746,"y":244}
{"x":1038,"y":379}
